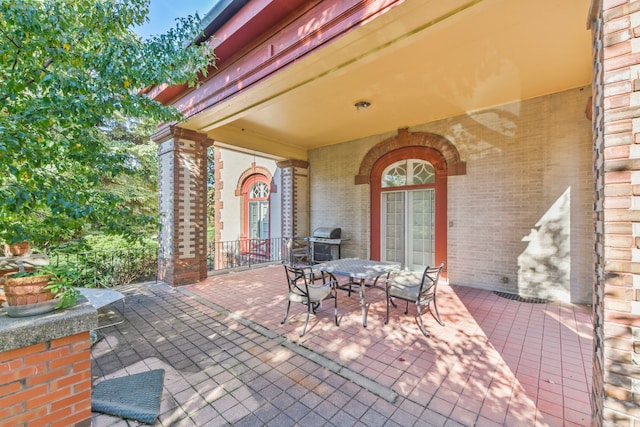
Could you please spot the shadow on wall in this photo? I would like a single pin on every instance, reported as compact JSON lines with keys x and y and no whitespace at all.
{"x":544,"y":267}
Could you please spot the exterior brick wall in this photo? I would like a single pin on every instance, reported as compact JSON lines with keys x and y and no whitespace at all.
{"x":182,"y":192}
{"x":529,"y":231}
{"x":615,"y":27}
{"x":47,"y":384}
{"x":533,"y":225}
{"x":336,"y":200}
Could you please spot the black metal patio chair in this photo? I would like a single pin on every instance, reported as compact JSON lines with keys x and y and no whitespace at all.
{"x":302,"y":289}
{"x":298,"y":252}
{"x":417,"y":288}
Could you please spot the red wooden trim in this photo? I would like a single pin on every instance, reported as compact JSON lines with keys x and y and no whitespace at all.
{"x":253,"y":170}
{"x":253,"y":48}
{"x":441,"y":219}
{"x":440,"y":165}
{"x":246,"y":186}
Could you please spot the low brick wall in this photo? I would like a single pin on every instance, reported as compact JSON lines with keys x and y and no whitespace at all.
{"x":45,"y":368}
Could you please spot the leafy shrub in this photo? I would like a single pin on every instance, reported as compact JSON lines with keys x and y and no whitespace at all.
{"x":109,"y":260}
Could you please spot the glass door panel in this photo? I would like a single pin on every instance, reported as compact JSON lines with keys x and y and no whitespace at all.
{"x":393,"y":224}
{"x":421,"y":250}
{"x":259,"y":220}
{"x":408,"y":227}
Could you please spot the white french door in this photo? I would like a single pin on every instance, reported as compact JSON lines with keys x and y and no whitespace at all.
{"x":408,"y":227}
{"x":259,"y":219}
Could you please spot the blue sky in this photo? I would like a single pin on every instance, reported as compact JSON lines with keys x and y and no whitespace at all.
{"x":163,"y":13}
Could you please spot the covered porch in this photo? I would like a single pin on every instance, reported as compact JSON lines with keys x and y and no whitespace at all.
{"x":525,"y":111}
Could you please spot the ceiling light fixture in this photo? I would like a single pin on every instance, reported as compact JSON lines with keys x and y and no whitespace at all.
{"x":362,"y":105}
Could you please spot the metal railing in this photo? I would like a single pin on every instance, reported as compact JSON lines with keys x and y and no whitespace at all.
{"x":224,"y":255}
{"x":121,"y":267}
{"x":109,"y":268}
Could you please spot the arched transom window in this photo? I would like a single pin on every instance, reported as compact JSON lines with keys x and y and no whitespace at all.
{"x":259,"y":190}
{"x":408,"y":172}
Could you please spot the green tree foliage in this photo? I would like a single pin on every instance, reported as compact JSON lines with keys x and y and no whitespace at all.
{"x":69,"y":70}
{"x":138,"y":188}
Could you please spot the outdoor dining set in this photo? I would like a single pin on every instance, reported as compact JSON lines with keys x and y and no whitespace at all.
{"x":312,"y":284}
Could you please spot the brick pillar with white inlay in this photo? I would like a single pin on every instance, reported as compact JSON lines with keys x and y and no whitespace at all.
{"x":295,"y":198}
{"x":182,"y":205}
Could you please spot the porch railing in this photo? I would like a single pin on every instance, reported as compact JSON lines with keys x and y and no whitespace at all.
{"x":121,"y":267}
{"x":224,"y":255}
{"x":110,"y":268}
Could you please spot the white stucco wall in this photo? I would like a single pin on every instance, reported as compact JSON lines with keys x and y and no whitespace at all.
{"x":519,"y":220}
{"x":234,"y":163}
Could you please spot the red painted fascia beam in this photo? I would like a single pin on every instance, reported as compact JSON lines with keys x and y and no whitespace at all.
{"x":250,"y":23}
{"x":308,"y":29}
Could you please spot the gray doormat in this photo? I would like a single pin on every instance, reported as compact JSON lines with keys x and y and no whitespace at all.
{"x":135,"y":397}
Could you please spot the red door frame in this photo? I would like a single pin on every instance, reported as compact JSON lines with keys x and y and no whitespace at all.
{"x":249,"y":244}
{"x":375,"y":180}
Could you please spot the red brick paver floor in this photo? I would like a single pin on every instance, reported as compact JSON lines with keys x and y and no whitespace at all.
{"x":496,"y":362}
{"x":229,"y":361}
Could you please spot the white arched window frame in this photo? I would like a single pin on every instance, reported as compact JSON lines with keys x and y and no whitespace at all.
{"x":258,"y":210}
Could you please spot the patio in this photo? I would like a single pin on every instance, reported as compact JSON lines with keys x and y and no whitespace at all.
{"x":229,"y":361}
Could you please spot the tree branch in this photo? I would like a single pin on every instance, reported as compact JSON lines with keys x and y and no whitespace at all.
{"x":6,"y":36}
{"x":32,"y":80}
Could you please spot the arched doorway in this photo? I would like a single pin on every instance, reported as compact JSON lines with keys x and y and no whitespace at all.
{"x":255,"y":192}
{"x":428,"y":147}
{"x":409,"y":207}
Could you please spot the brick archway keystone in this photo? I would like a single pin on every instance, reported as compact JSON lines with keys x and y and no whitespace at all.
{"x":404,"y":138}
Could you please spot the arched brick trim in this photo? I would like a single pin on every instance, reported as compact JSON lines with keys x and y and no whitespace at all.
{"x":449,"y":152}
{"x":253,"y":170}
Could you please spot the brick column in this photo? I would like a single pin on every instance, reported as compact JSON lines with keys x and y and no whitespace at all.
{"x":295,"y":198}
{"x":182,"y":201}
{"x":616,"y":125}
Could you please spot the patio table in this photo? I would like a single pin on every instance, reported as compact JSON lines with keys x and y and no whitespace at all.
{"x":100,"y":297}
{"x":359,"y":271}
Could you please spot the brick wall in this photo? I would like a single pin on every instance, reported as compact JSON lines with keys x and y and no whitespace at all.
{"x":616,"y":376}
{"x":47,"y":384}
{"x":336,"y":200}
{"x":522,"y":213}
{"x":182,"y":192}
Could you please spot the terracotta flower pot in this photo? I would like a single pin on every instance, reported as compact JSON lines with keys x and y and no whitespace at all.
{"x":17,"y":249}
{"x":27,"y":290}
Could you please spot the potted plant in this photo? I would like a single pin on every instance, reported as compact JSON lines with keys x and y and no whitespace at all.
{"x":17,"y":249}
{"x":62,"y":285}
{"x":39,"y":286}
